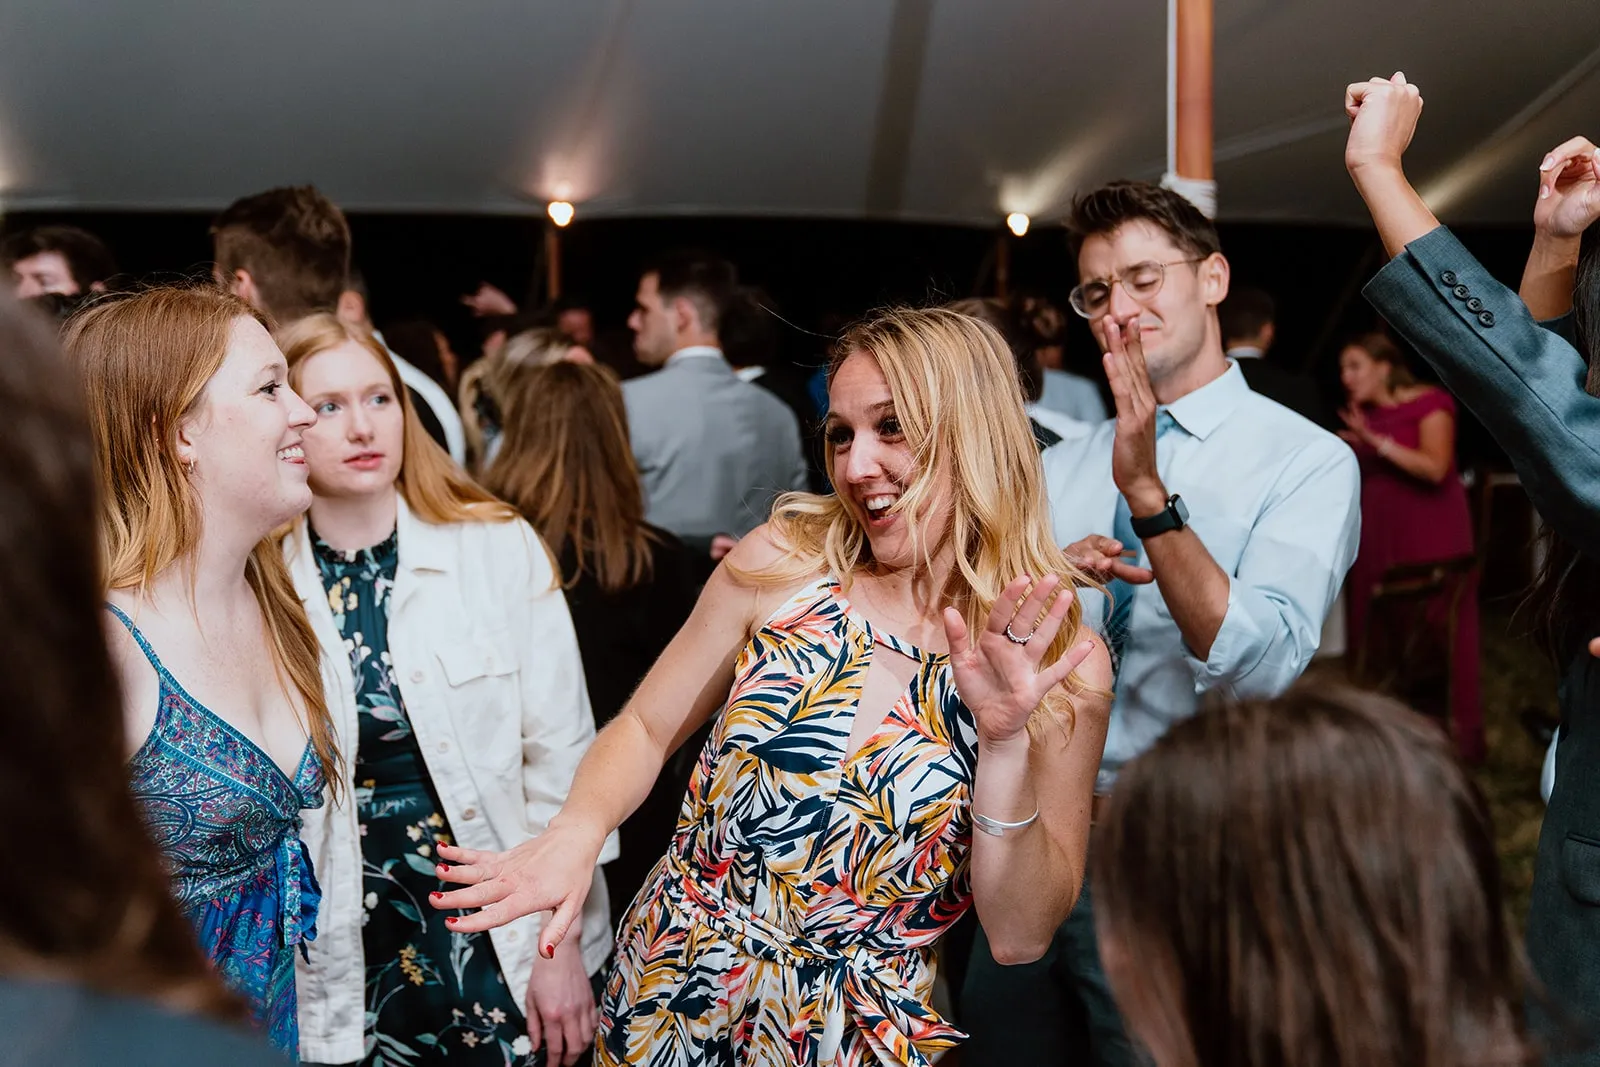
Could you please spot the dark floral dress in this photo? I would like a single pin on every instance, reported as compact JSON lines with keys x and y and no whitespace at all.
{"x":434,"y":995}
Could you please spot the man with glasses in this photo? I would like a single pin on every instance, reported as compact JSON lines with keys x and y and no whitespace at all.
{"x":1238,"y":520}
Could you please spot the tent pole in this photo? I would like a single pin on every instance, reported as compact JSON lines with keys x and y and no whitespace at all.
{"x":1189,"y":116}
{"x":552,"y":262}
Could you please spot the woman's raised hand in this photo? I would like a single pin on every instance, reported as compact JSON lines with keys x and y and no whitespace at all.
{"x":1002,"y":676}
{"x":551,"y":872}
{"x":1569,"y":189}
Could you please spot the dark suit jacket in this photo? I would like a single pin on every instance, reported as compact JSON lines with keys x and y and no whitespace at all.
{"x":1294,"y":391}
{"x":1525,"y":384}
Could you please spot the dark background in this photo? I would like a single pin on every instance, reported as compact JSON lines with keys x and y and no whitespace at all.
{"x":816,"y":271}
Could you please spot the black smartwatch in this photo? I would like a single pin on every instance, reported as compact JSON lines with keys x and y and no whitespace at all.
{"x":1173,"y":517}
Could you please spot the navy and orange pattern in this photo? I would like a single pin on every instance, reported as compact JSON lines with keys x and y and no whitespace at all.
{"x":794,"y":917}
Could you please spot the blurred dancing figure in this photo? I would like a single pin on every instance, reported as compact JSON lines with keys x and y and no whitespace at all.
{"x":1532,"y":387}
{"x":198,"y":436}
{"x":1337,"y":902}
{"x":904,"y":732}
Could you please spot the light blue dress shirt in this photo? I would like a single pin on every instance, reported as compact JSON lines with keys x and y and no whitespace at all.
{"x":1275,"y":499}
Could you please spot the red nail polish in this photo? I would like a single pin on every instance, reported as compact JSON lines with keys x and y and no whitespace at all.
{"x":442,"y":870}
{"x":435,"y":896}
{"x":549,"y":951}
{"x":450,"y":920}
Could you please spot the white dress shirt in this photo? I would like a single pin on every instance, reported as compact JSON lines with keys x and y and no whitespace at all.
{"x":1274,"y":499}
{"x":486,"y":657}
{"x":1073,"y":395}
{"x":432,"y":394}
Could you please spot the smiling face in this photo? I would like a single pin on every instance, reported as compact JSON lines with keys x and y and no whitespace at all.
{"x":873,"y":465}
{"x":1177,"y":324}
{"x":1365,"y":380}
{"x":357,"y":446}
{"x":244,"y":437}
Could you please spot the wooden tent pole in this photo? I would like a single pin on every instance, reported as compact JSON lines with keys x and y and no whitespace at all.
{"x":1193,"y":105}
{"x":552,"y":262}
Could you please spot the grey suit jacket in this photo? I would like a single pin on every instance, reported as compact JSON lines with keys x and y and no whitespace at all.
{"x":713,"y":451}
{"x":1525,"y":384}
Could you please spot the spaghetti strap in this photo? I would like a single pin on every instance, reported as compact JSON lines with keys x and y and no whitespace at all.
{"x":144,"y":645}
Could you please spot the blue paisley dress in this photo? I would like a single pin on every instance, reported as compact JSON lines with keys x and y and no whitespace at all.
{"x":433,"y":995}
{"x":227,"y":820}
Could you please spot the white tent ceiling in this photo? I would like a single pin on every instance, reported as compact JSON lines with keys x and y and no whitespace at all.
{"x":947,"y":110}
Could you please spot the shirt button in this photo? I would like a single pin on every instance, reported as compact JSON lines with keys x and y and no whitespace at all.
{"x":488,"y":663}
{"x":511,"y":935}
{"x":470,"y":814}
{"x":444,"y":746}
{"x":417,"y":676}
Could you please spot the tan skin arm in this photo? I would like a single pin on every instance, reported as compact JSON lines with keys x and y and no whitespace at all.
{"x":690,"y":681}
{"x":1569,"y":202}
{"x":1429,"y":462}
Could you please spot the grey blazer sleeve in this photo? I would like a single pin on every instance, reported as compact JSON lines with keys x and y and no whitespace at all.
{"x":1523,"y":382}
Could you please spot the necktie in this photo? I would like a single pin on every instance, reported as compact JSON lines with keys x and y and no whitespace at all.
{"x":1120,"y":621}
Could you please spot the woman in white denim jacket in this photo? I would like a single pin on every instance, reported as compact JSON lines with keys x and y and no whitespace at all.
{"x":457,"y":690}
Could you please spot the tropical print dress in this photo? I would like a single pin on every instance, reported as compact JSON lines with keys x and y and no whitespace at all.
{"x":227,"y":821}
{"x":433,"y":995}
{"x":794,"y":917}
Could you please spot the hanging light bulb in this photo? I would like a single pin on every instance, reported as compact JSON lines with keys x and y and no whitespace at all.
{"x":1018,"y":223}
{"x":561,"y":212}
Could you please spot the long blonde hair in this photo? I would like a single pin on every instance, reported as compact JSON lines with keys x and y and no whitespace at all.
{"x":145,"y":359}
{"x":566,"y":465}
{"x":434,"y":488}
{"x":956,"y":394}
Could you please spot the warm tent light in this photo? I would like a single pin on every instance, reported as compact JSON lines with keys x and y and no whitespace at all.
{"x":1018,"y":223}
{"x":561,"y":212}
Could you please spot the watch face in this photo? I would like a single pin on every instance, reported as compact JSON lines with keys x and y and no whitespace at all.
{"x":1178,"y":509}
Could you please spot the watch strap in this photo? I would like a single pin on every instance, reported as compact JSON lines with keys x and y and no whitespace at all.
{"x":1172,"y":517}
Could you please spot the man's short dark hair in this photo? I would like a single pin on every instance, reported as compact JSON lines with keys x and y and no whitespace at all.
{"x":1245,"y":313}
{"x":705,"y":280}
{"x":1118,"y":203}
{"x":295,"y":244}
{"x":88,"y":259}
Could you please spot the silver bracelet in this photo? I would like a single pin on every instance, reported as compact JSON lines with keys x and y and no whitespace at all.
{"x":996,"y":828}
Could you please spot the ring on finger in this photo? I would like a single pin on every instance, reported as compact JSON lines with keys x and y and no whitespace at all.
{"x":1014,"y":639}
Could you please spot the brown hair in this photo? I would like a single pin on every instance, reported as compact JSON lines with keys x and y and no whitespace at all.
{"x":1112,"y":206}
{"x":1308,"y":881}
{"x":295,"y":244}
{"x":565,"y":463}
{"x":1380,"y":349}
{"x":95,"y":906}
{"x":1016,"y":327}
{"x":434,"y":488}
{"x":145,"y":359}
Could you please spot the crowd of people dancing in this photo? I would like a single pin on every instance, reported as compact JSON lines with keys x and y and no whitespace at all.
{"x":395,"y":711}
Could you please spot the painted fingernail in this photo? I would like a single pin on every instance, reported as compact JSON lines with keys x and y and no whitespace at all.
{"x":435,"y":896}
{"x":442,"y":869}
{"x":549,"y":951}
{"x":1548,"y":161}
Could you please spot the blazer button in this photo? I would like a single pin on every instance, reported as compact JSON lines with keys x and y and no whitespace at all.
{"x":1474,"y":305}
{"x":1487,"y":318}
{"x":1448,"y":277}
{"x":417,"y":676}
{"x":469,"y":814}
{"x":1461,"y":292}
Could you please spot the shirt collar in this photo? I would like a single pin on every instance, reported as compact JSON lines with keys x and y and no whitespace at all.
{"x":1245,"y":352}
{"x":694,"y":352}
{"x":1203,"y":410}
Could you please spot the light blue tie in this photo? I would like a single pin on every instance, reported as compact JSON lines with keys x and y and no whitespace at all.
{"x":1120,"y":592}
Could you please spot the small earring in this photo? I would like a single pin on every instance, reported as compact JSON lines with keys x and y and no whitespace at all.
{"x":188,"y":468}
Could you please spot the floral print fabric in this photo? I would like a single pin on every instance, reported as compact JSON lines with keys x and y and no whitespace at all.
{"x":794,"y":917}
{"x":433,"y":995}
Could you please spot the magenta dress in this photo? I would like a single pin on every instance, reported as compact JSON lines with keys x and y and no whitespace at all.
{"x":1407,"y":520}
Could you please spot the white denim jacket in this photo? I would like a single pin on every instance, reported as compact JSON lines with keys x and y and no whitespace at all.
{"x":485,"y":654}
